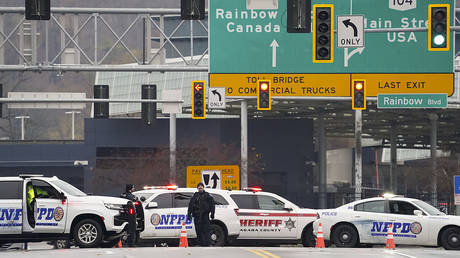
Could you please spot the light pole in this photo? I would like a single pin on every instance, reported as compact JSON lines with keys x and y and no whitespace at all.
{"x":23,"y":129}
{"x":73,"y":121}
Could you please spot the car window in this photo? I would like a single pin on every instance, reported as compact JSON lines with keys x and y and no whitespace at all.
{"x":164,"y":201}
{"x":44,"y":190}
{"x":145,"y":195}
{"x":182,"y":200}
{"x":219,"y":200}
{"x":373,"y":206}
{"x":402,"y":207}
{"x":269,"y":203}
{"x":11,"y":190}
{"x":245,"y":201}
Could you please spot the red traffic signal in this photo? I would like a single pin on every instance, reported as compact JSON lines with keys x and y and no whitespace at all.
{"x":359,"y":95}
{"x":264,"y":95}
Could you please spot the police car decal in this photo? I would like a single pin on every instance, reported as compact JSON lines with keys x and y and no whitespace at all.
{"x":58,"y":214}
{"x":290,"y":224}
{"x":399,"y":229}
{"x":10,"y":217}
{"x":48,"y":214}
{"x":170,"y":221}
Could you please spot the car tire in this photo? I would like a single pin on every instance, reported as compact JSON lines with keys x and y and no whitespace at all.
{"x":345,"y":236}
{"x":87,"y":233}
{"x":450,"y":238}
{"x":218,"y":237}
{"x":308,"y":238}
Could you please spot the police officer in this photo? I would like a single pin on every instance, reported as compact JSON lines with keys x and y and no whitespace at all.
{"x":128,"y":194}
{"x":201,"y":206}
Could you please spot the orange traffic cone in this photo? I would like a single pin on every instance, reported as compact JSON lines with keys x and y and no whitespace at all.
{"x":390,"y":240}
{"x":119,"y":245}
{"x":320,"y":237}
{"x":183,"y":242}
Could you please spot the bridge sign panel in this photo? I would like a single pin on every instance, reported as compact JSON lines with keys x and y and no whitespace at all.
{"x":255,"y":41}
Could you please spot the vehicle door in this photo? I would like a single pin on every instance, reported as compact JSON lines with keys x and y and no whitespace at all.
{"x":248,"y":215}
{"x":278,"y":222}
{"x":11,"y":207}
{"x":408,"y":228}
{"x":181,"y":201}
{"x":370,"y":218}
{"x":158,"y":217}
{"x":51,"y":212}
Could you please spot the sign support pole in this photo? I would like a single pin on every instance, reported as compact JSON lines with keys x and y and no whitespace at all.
{"x":393,"y":161}
{"x":322,"y":162}
{"x":244,"y":144}
{"x":172,"y":148}
{"x":434,"y":137}
{"x":358,"y":155}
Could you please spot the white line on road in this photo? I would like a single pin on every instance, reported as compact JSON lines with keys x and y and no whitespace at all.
{"x":400,"y":254}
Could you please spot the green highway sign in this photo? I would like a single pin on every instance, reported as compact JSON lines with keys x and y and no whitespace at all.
{"x":411,"y":101}
{"x":256,"y":41}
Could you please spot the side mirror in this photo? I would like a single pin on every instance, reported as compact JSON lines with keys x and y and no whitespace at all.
{"x":418,"y":213}
{"x":152,"y":205}
{"x":62,"y":196}
{"x":287,"y":207}
{"x":143,"y":199}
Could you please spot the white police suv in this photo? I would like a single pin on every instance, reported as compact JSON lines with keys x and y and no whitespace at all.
{"x":241,"y":216}
{"x":36,"y":208}
{"x":366,"y":221}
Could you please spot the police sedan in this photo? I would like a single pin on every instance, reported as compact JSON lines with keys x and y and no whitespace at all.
{"x":249,"y":216}
{"x":366,"y":221}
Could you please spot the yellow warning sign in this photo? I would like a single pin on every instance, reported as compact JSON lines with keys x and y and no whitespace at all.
{"x":285,"y":85}
{"x":218,"y":177}
{"x":407,"y":83}
{"x":333,"y":85}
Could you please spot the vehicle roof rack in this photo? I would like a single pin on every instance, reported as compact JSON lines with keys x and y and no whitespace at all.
{"x":29,"y":175}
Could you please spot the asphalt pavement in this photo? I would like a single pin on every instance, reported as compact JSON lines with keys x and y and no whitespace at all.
{"x":41,"y":250}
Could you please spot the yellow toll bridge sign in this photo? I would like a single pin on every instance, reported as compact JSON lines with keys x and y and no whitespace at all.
{"x":333,"y":85}
{"x":216,"y":177}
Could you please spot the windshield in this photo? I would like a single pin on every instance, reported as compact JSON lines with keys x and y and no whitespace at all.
{"x":68,"y":188}
{"x":428,"y":208}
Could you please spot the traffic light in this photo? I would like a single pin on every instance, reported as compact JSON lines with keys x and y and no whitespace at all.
{"x":438,"y":27}
{"x":149,"y":110}
{"x":199,"y":100}
{"x":38,"y":9}
{"x":192,"y":10}
{"x":101,"y":109}
{"x":264,"y":101}
{"x":299,"y":16}
{"x":359,"y":95}
{"x":323,"y":33}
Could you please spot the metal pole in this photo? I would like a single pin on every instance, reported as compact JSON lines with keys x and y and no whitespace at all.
{"x":358,"y":155}
{"x":244,"y":143}
{"x":23,"y":129}
{"x":393,"y":160}
{"x":172,"y":148}
{"x":322,"y":162}
{"x":434,"y":136}
{"x":73,"y":125}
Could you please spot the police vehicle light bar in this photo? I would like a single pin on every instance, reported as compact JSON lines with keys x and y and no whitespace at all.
{"x":167,"y":187}
{"x":253,"y":189}
{"x":390,"y":195}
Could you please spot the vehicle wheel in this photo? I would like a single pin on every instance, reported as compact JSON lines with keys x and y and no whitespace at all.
{"x":87,"y":233}
{"x":61,"y":244}
{"x":345,"y":236}
{"x":450,"y":238}
{"x":217,"y":235}
{"x":308,"y":238}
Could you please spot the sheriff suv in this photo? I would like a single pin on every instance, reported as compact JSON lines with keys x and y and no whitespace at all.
{"x":34,"y":208}
{"x":250,"y":216}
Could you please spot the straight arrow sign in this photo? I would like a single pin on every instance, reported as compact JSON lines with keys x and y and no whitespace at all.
{"x":274,"y":45}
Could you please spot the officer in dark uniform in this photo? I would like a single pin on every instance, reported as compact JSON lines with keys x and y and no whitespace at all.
{"x":128,"y":194}
{"x":201,"y":206}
